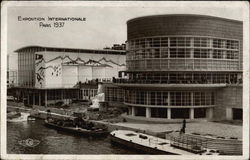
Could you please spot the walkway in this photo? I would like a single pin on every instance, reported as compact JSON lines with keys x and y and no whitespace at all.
{"x":218,"y":129}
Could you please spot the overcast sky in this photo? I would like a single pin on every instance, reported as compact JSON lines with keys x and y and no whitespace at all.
{"x":104,"y":25}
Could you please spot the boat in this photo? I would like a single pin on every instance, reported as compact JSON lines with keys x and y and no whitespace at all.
{"x":14,"y":114}
{"x":93,"y":131}
{"x":153,"y":145}
{"x":31,"y":118}
{"x":19,"y":117}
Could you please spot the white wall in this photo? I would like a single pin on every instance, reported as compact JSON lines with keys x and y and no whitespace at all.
{"x":69,"y":76}
{"x":56,"y":76}
{"x":84,"y":73}
{"x":99,"y":72}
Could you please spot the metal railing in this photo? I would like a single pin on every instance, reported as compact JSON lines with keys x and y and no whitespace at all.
{"x":138,"y":81}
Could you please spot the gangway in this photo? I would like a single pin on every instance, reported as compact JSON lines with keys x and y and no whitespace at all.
{"x":189,"y":143}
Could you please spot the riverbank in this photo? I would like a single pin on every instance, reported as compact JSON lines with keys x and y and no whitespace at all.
{"x":203,"y":127}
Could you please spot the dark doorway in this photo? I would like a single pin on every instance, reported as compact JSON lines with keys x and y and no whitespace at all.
{"x":179,"y":113}
{"x":159,"y":112}
{"x":237,"y":114}
{"x":200,"y":113}
{"x":140,"y":111}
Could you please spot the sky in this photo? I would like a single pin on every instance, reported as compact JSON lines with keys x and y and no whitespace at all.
{"x":105,"y":23}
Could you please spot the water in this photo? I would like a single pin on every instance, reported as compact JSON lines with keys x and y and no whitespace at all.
{"x":53,"y":142}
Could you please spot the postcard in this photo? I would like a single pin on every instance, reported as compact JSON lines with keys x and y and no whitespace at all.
{"x":125,"y":80}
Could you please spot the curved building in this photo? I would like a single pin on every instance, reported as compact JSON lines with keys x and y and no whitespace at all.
{"x":183,"y":66}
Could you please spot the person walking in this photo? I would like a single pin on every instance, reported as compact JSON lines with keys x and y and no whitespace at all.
{"x":183,"y":126}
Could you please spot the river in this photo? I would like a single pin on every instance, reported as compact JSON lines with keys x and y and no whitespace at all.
{"x":53,"y":142}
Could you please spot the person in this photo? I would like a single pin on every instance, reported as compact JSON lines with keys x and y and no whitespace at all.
{"x":183,"y":126}
{"x":48,"y":114}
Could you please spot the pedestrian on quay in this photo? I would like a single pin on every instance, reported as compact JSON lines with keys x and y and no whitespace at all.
{"x":183,"y":126}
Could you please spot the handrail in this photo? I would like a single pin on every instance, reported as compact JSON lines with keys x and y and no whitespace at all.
{"x":125,"y":80}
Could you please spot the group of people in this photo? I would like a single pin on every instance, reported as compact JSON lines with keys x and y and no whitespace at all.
{"x":80,"y":123}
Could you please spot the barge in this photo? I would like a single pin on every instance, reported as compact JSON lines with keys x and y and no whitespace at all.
{"x":153,"y":145}
{"x":96,"y":132}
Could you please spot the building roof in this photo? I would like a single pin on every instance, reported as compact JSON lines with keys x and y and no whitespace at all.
{"x":75,"y":50}
{"x":183,"y":15}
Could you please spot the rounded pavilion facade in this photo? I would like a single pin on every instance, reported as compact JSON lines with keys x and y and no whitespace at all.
{"x":179,"y":65}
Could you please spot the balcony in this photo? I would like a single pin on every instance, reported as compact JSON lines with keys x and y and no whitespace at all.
{"x":123,"y":82}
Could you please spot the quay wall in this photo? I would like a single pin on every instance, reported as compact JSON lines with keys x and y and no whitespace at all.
{"x":38,"y":113}
{"x":42,"y":114}
{"x":16,"y":108}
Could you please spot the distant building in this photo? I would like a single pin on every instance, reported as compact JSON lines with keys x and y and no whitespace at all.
{"x":117,"y":47}
{"x":181,"y":66}
{"x":12,"y":77}
{"x":48,"y":75}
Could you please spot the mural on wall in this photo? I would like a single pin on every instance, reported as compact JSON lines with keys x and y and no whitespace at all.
{"x":110,"y":61}
{"x":40,"y":70}
{"x":39,"y":76}
{"x":56,"y":70}
{"x":78,"y":60}
{"x":54,"y":66}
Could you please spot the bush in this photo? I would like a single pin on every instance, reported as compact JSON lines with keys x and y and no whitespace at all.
{"x":60,"y":103}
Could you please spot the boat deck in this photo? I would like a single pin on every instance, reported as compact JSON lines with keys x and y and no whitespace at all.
{"x":149,"y":141}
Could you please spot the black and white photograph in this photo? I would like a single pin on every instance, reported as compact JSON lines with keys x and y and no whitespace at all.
{"x":125,"y":80}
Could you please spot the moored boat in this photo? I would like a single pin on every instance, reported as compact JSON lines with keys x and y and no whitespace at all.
{"x":12,"y":115}
{"x":31,"y":118}
{"x":93,"y":131}
{"x":153,"y":145}
{"x":17,"y":117}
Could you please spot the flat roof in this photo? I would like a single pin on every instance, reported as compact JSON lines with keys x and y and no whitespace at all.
{"x":73,"y":50}
{"x":178,"y":71}
{"x":187,"y":15}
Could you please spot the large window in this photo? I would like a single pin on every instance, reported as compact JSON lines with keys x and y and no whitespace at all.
{"x":200,"y":113}
{"x":201,"y":53}
{"x":177,"y":113}
{"x":203,"y":98}
{"x":159,"y":112}
{"x":162,"y":98}
{"x":184,"y":78}
{"x":181,"y":47}
{"x":180,"y":98}
{"x":140,"y":111}
{"x":115,"y":94}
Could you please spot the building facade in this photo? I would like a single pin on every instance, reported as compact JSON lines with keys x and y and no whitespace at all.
{"x":183,"y":66}
{"x":48,"y":75}
{"x":12,"y":77}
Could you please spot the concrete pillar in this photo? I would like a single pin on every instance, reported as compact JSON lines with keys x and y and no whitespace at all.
{"x":45,"y":98}
{"x":23,"y":95}
{"x":130,"y":110}
{"x":169,"y":113}
{"x":62,"y":94}
{"x":191,"y":116}
{"x":148,"y":112}
{"x":229,"y":113}
{"x":28,"y":99}
{"x":133,"y":111}
{"x":224,"y":54}
{"x":209,"y":113}
{"x":192,"y":53}
{"x":148,"y":102}
{"x":39,"y":103}
{"x":33,"y":99}
{"x":192,"y":98}
{"x":169,"y":99}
